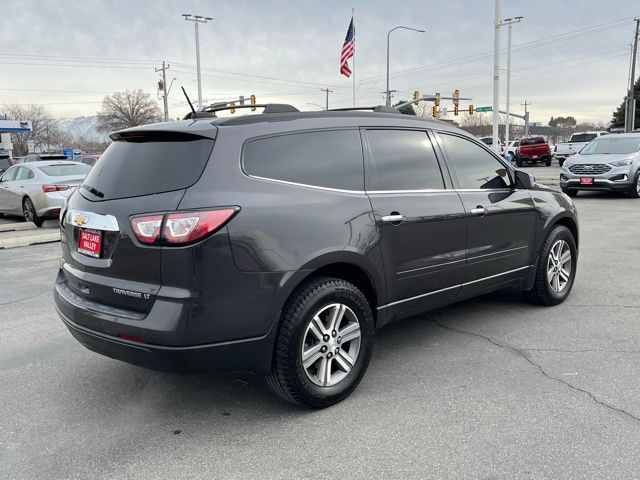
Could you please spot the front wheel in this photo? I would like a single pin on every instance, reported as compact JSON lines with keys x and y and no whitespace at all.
{"x":30,"y":214}
{"x":324,"y":343}
{"x":518,"y":162}
{"x":556,"y":268}
{"x":571,"y":193}
{"x":561,"y":162}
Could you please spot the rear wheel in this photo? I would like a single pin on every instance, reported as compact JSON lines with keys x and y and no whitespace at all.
{"x":324,"y":343}
{"x":518,"y":162}
{"x":634,"y":191}
{"x":556,"y":268}
{"x":30,"y":214}
{"x":548,"y":162}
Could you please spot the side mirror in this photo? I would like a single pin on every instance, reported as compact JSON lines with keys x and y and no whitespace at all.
{"x":524,"y":180}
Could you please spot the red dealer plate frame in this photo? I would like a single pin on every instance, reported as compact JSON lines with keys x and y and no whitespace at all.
{"x":586,"y":181}
{"x":90,"y":242}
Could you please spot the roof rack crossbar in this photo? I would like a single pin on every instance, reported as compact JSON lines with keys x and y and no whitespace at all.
{"x":376,"y":108}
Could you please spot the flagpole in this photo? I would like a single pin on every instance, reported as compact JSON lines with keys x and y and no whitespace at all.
{"x":353,"y":19}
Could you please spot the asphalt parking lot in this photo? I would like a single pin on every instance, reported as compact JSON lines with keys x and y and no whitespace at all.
{"x":492,"y":388}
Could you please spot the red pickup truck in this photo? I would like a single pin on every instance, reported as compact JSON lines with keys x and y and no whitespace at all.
{"x":533,"y":150}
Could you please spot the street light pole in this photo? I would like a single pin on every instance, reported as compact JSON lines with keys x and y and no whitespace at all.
{"x":510,"y":22}
{"x":388,"y":101}
{"x":496,"y":77}
{"x":197,"y":19}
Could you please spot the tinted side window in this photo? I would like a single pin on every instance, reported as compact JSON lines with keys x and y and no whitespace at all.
{"x":5,"y":163}
{"x":330,"y":159}
{"x":402,"y":160}
{"x":474,"y":167}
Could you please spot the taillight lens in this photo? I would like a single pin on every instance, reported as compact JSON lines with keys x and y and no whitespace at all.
{"x":186,"y":227}
{"x":54,"y":187}
{"x":147,"y":228}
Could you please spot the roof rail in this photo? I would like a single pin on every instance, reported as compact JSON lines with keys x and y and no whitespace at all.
{"x":376,"y":108}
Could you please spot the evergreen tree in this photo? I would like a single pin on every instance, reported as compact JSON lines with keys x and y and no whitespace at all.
{"x":618,"y":115}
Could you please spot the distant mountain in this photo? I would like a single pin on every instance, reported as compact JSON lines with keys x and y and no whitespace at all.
{"x":84,"y":128}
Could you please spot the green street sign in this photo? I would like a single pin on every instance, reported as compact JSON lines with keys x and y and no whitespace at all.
{"x":484,"y":109}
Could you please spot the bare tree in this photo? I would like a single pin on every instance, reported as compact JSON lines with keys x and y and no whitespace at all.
{"x":46,"y":134}
{"x":127,"y":109}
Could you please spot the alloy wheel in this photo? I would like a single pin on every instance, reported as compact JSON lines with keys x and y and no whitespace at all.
{"x":559,"y":266}
{"x":28,"y":210}
{"x":331,"y":345}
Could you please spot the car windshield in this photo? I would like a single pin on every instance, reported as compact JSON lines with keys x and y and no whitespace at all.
{"x":65,"y":169}
{"x":612,"y":145}
{"x":582,"y":137}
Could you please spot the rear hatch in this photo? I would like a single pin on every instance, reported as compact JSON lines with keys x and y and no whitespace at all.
{"x":65,"y":175}
{"x":531,"y":147}
{"x":140,"y":173}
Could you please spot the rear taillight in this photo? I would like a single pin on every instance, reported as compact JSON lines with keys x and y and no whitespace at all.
{"x":179,"y":228}
{"x":54,"y":187}
{"x":147,"y":228}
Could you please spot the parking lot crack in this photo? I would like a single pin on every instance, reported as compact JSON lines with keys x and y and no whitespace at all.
{"x":521,"y":353}
{"x":587,"y":350}
{"x":25,"y":298}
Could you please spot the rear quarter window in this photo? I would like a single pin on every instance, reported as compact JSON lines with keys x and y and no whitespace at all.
{"x":331,"y":159}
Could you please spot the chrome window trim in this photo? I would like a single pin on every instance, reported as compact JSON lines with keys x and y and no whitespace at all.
{"x":451,"y":288}
{"x":295,"y":184}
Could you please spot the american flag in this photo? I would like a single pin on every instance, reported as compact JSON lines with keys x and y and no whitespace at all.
{"x":348,"y":49}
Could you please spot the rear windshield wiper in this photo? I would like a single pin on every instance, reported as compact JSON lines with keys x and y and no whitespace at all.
{"x":93,"y":190}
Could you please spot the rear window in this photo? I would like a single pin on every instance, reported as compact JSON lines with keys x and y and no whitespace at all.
{"x":331,"y":159}
{"x":532,"y":141}
{"x":582,"y":137}
{"x":5,"y":163}
{"x":52,"y":157}
{"x":140,"y":167}
{"x":65,"y":170}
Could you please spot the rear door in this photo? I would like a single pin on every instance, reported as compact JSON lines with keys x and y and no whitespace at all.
{"x":500,"y":219}
{"x":6,"y":192}
{"x":139,"y":175}
{"x":420,"y":222}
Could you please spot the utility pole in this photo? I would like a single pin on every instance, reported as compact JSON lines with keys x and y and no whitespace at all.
{"x":327,"y":91}
{"x":510,"y":22}
{"x":496,"y":77}
{"x":629,"y":123}
{"x":164,"y":68}
{"x":526,"y":117}
{"x":197,"y":19}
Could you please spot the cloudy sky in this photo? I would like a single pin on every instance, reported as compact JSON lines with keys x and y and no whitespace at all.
{"x":569,"y":57}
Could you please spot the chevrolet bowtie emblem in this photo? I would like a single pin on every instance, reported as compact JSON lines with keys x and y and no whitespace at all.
{"x":80,"y":219}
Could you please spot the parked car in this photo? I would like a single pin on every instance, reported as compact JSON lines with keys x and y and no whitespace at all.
{"x":279,"y":242}
{"x":610,"y":163}
{"x":88,"y":160}
{"x":37,"y":191}
{"x":17,"y":160}
{"x":44,"y":157}
{"x":574,"y":145}
{"x":512,"y":148}
{"x":489,"y":141}
{"x":5,"y":162}
{"x":533,"y":150}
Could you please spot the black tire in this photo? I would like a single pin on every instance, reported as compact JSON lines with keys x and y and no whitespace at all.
{"x":30,"y":214}
{"x":571,"y":193}
{"x":288,"y":377}
{"x":548,"y":162}
{"x":542,"y":293}
{"x":561,"y":162}
{"x":634,"y":191}
{"x":518,"y":162}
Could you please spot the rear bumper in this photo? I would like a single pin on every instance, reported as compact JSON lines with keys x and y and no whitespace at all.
{"x":539,"y":158}
{"x":137,"y":339}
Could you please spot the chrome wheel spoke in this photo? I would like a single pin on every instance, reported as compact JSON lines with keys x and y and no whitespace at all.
{"x":317,"y":327}
{"x":324,"y":372}
{"x":565,"y":257}
{"x":350,"y":332}
{"x":336,"y":317}
{"x":311,"y":356}
{"x":341,"y":360}
{"x":564,"y":275}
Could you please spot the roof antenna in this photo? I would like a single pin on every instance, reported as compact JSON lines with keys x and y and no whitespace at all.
{"x":193,"y":110}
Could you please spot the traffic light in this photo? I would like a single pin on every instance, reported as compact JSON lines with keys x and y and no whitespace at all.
{"x":437,"y":101}
{"x":456,"y":96}
{"x":233,"y":107}
{"x":471,"y":109}
{"x":434,"y":111}
{"x":455,"y":109}
{"x":416,"y":95}
{"x":253,"y":103}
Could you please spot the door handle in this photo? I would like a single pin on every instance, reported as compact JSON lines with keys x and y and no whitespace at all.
{"x":393,"y":218}
{"x":479,"y":211}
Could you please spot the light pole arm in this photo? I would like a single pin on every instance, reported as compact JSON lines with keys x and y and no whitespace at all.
{"x":388,"y":100}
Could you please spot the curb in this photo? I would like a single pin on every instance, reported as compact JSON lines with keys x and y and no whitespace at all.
{"x":29,"y":240}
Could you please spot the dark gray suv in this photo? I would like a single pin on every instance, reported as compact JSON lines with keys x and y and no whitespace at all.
{"x":280,"y":242}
